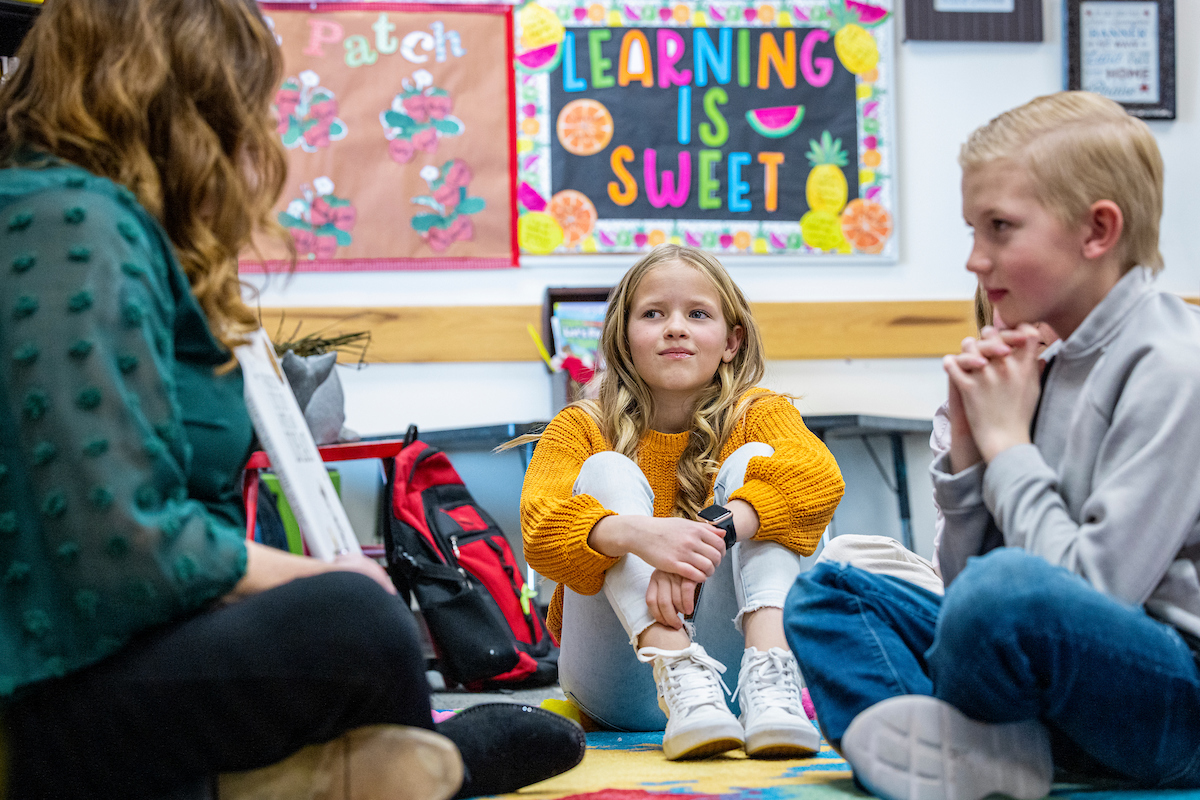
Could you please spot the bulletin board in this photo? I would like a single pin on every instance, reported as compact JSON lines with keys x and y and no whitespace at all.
{"x":740,"y":127}
{"x":397,"y":120}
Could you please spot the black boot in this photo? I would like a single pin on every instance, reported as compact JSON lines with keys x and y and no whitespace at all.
{"x":506,"y":746}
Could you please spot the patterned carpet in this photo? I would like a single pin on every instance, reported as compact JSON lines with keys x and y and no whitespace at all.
{"x":630,"y":766}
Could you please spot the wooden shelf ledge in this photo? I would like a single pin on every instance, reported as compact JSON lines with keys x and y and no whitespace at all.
{"x":432,"y":334}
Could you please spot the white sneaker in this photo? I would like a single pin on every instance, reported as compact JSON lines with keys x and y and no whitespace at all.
{"x":772,"y":714}
{"x":915,"y":747}
{"x":699,"y":724}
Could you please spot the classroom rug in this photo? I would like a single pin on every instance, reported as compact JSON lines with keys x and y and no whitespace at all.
{"x":631,"y":766}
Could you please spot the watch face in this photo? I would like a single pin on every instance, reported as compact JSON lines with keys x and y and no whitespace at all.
{"x":715,"y":514}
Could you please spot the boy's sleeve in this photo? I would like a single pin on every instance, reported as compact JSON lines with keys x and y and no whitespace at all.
{"x":967,"y":528}
{"x":795,"y":490}
{"x":94,"y":506}
{"x":1145,"y":496}
{"x":554,"y":525}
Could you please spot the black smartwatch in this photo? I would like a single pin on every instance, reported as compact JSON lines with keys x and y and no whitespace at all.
{"x":721,"y":517}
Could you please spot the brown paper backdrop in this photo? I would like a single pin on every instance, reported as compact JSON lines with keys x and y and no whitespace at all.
{"x":360,"y":166}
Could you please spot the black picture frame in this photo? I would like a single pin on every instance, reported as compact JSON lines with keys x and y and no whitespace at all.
{"x":923,"y":22}
{"x":1077,"y":51}
{"x":567,"y":294}
{"x":15,"y":21}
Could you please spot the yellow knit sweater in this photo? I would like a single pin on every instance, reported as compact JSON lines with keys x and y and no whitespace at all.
{"x":794,"y":491}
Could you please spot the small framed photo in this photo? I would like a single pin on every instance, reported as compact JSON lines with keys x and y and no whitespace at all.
{"x":973,"y":20}
{"x":1124,"y":50}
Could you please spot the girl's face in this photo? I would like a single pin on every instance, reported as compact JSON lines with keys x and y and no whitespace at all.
{"x":677,"y":333}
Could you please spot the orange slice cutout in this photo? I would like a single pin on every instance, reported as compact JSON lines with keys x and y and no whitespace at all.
{"x":584,"y":127}
{"x":866,"y":225}
{"x":575,"y":213}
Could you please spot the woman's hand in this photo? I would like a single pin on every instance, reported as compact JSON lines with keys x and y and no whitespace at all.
{"x":668,"y":596}
{"x":683,"y":547}
{"x":267,"y":568}
{"x":357,"y":562}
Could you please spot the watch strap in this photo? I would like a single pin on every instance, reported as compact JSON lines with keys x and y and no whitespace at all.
{"x":725,"y":523}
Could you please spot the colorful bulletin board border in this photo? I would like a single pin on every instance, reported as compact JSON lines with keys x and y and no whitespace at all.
{"x":398,"y":123}
{"x":740,"y":126}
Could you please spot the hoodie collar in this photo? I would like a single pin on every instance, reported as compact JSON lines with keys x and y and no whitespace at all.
{"x":1102,"y":324}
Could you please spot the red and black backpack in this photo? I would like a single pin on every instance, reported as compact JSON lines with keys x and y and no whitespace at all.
{"x":450,"y":554}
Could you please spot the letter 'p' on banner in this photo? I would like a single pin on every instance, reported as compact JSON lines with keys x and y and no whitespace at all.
{"x":743,"y":128}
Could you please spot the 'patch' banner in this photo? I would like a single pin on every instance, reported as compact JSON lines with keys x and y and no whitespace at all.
{"x":397,"y":121}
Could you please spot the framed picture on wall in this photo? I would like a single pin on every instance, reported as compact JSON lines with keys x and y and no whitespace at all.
{"x":1124,"y":50}
{"x":973,"y":20}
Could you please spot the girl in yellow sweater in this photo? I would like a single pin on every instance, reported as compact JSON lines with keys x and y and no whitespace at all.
{"x":644,"y":493}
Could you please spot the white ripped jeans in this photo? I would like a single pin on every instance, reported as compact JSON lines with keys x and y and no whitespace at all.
{"x":597,"y":668}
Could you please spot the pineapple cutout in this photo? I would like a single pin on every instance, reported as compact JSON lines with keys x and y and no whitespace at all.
{"x":826,"y":191}
{"x":854,"y":44}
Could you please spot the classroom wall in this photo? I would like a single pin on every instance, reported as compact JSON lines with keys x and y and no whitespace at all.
{"x":943,"y":91}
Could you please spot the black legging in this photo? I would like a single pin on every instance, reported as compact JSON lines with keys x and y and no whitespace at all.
{"x":233,"y":688}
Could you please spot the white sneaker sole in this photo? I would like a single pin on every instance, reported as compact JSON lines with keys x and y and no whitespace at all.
{"x":915,"y":747}
{"x":703,"y":742}
{"x":783,"y":741}
{"x":379,"y":762}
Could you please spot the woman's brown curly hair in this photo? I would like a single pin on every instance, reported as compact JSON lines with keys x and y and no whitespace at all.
{"x":169,"y":98}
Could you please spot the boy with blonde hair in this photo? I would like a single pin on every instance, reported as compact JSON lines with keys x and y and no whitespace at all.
{"x":1067,"y":636}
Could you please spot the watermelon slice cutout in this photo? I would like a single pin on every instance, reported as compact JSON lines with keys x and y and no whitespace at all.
{"x":868,"y":15}
{"x":540,"y":59}
{"x":776,"y":122}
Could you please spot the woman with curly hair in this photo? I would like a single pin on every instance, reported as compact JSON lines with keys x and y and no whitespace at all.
{"x":145,"y":646}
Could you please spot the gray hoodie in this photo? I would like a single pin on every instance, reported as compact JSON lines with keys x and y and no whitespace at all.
{"x":1111,"y":489}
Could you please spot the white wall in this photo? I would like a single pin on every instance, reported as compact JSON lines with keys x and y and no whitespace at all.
{"x":943,"y":91}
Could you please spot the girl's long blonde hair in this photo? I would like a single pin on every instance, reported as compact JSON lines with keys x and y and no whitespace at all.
{"x":626,"y":405}
{"x":169,"y":98}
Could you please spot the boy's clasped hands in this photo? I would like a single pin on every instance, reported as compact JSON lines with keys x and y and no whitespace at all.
{"x":994,"y":388}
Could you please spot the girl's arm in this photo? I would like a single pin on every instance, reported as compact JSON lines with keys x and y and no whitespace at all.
{"x":554,"y":525}
{"x":794,"y":491}
{"x":573,"y":540}
{"x":683,"y":547}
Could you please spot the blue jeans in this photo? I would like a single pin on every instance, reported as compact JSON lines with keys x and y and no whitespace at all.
{"x":1014,"y":639}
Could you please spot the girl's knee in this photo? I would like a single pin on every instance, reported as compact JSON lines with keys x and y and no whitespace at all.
{"x":732,"y":474}
{"x":616,"y":482}
{"x":606,"y":462}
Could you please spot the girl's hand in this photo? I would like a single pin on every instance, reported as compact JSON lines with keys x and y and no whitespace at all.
{"x":999,"y":399}
{"x":683,"y":547}
{"x":668,"y":596}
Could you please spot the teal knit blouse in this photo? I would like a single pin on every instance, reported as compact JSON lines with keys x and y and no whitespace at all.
{"x":120,"y":448}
